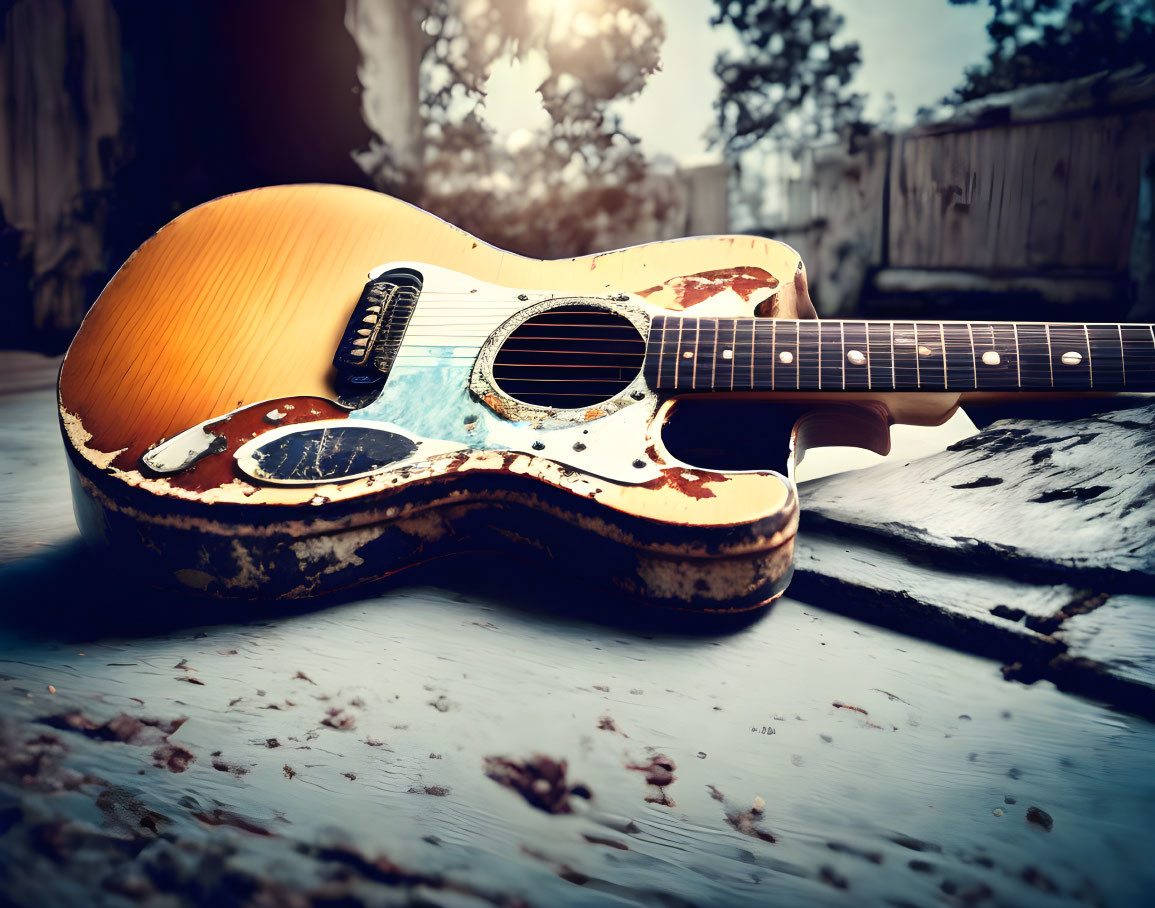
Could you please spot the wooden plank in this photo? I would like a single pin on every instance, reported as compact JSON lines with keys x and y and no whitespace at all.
{"x":1084,"y":189}
{"x":1048,"y":199}
{"x":1046,"y":499}
{"x":1123,"y":192}
{"x":988,"y":186}
{"x":350,"y":743}
{"x":1116,"y":638}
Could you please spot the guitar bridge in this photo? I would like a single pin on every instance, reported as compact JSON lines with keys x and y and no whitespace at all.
{"x":373,"y":336}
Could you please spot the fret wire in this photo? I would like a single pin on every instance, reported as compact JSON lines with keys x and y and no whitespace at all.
{"x":797,"y":357}
{"x":917,"y":357}
{"x":656,"y":328}
{"x":714,"y":360}
{"x":974,"y":355}
{"x":773,"y":354}
{"x":942,"y":337}
{"x":842,"y":358}
{"x":893,"y":380}
{"x":819,"y":333}
{"x":733,"y":342}
{"x":678,"y":354}
{"x":1090,"y":364}
{"x":753,"y":335}
{"x":866,"y":328}
{"x":694,"y":359}
{"x":664,"y":348}
{"x":1018,"y":357}
{"x":1122,"y":355}
{"x":1050,"y":353}
{"x":735,"y":327}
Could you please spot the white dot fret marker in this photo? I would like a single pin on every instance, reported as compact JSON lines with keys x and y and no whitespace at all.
{"x":991,"y":358}
{"x":1072,"y":358}
{"x":924,"y":351}
{"x":727,"y":354}
{"x":786,"y":356}
{"x":856,"y":356}
{"x":689,"y":354}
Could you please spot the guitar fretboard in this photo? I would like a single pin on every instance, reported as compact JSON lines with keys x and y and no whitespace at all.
{"x":764,"y":354}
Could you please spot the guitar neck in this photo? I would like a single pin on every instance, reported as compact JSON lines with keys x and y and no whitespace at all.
{"x":765,"y":354}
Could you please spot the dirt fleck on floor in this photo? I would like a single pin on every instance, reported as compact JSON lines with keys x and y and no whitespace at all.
{"x":224,"y":766}
{"x":339,"y":719}
{"x":221,"y":817}
{"x":540,"y":780}
{"x":172,"y":757}
{"x":127,"y":729}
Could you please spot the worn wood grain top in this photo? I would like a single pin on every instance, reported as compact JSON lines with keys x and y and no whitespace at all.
{"x":154,"y":746}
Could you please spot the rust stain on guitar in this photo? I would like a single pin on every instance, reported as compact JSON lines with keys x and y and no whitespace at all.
{"x":688,"y":290}
{"x":218,"y":470}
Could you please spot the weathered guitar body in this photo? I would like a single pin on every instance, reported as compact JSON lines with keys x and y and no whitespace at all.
{"x":214,"y":441}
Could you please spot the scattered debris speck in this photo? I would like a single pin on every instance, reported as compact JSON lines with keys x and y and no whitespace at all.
{"x":540,"y":780}
{"x":339,"y":719}
{"x":1040,"y":818}
{"x":288,"y":771}
{"x":224,"y":766}
{"x":221,"y":817}
{"x":172,"y":757}
{"x":437,"y":791}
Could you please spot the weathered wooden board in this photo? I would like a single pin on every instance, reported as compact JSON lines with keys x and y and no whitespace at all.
{"x":1032,"y":542}
{"x":337,"y":750}
{"x":1032,"y":196}
{"x":342,"y":752}
{"x":32,"y":497}
{"x":1053,"y":499}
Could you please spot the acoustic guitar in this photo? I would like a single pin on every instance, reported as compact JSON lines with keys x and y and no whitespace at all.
{"x":293,"y":390}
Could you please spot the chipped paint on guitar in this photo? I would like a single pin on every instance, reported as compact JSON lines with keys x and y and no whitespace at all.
{"x":209,"y":443}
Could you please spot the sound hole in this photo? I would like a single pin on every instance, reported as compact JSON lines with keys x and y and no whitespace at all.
{"x":572,"y":356}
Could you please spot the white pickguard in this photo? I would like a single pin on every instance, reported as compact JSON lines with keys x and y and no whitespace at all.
{"x":427,"y":395}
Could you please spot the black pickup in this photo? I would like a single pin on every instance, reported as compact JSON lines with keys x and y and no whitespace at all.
{"x":373,"y":336}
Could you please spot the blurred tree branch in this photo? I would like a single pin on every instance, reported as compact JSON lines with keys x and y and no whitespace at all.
{"x":554,"y":192}
{"x":790,"y":81}
{"x":1035,"y":41}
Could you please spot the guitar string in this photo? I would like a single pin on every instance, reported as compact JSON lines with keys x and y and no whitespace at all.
{"x":819,"y":335}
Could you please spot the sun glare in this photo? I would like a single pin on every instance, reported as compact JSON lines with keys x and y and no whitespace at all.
{"x":512,"y":104}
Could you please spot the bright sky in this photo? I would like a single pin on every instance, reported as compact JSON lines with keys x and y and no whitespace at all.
{"x":915,"y":49}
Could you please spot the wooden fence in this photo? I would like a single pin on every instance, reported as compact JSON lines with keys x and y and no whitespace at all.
{"x":1044,"y":193}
